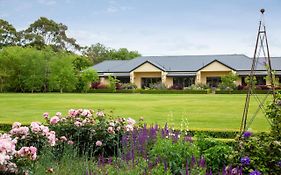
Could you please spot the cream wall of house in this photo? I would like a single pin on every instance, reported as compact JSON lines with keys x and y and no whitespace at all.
{"x":215,"y":69}
{"x":146,"y":70}
{"x":169,"y":82}
{"x":104,"y":80}
{"x":147,"y":67}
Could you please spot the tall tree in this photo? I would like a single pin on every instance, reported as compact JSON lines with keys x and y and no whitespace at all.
{"x":8,"y":34}
{"x":122,"y":54}
{"x":62,"y":73}
{"x":47,"y":32}
{"x":96,"y":52}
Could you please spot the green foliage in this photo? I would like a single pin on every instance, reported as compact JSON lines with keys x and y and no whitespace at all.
{"x":273,"y":113}
{"x":98,"y":53}
{"x":174,"y":154}
{"x":8,"y":34}
{"x":112,"y":82}
{"x":198,"y":86}
{"x":62,"y":74}
{"x":157,"y":86}
{"x":228,"y":82}
{"x":86,"y":78}
{"x":248,"y":80}
{"x":47,"y":32}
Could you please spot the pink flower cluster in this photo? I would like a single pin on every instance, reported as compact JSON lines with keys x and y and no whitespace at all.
{"x":19,"y":131}
{"x":130,"y":125}
{"x":7,"y":151}
{"x":28,"y":152}
{"x":36,"y":128}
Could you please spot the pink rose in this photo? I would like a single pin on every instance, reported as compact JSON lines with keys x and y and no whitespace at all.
{"x":78,"y":124}
{"x":63,"y":138}
{"x":16,"y":125}
{"x":131,"y":121}
{"x":98,"y":143}
{"x":46,"y":115}
{"x":100,"y":114}
{"x":110,"y":130}
{"x":70,"y":142}
{"x":54,"y":120}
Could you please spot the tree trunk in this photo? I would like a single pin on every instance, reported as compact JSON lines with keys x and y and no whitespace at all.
{"x":61,"y":90}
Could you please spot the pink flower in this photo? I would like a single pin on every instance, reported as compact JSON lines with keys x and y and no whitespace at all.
{"x":131,"y":121}
{"x":58,"y":114}
{"x":70,"y":142}
{"x":86,"y":113}
{"x":110,"y":130}
{"x":54,"y":120}
{"x":35,"y":127}
{"x":72,"y":112}
{"x":78,"y":124}
{"x":29,"y":152}
{"x":63,"y":138}
{"x":46,"y":115}
{"x":129,"y":128}
{"x":98,"y":143}
{"x":20,"y":132}
{"x":51,"y":138}
{"x":100,"y":114}
{"x":16,"y":125}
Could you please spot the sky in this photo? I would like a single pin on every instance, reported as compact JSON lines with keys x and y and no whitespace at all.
{"x":157,"y":27}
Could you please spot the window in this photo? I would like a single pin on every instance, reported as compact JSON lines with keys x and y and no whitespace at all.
{"x":124,"y":79}
{"x":145,"y":82}
{"x":213,"y":81}
{"x":183,"y":81}
{"x":261,"y":80}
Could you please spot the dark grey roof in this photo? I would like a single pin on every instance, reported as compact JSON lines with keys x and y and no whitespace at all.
{"x":191,"y":63}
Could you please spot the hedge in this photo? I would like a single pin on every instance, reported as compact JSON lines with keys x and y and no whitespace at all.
{"x":242,"y":92}
{"x":142,"y":91}
{"x":214,"y":134}
{"x":173,"y":91}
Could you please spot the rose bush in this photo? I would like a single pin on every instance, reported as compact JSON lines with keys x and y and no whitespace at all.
{"x":93,"y":132}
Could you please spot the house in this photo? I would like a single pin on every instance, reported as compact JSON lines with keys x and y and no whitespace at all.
{"x":184,"y":70}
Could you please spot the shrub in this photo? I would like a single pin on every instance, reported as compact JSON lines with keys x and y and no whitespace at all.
{"x":228,"y":82}
{"x":93,"y":133}
{"x":198,"y":86}
{"x":157,"y":86}
{"x":176,"y":87}
{"x":128,"y":86}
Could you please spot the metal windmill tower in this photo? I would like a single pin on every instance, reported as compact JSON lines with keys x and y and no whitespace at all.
{"x":261,"y":52}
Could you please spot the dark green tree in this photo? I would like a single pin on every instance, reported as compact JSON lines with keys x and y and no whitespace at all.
{"x":96,"y":53}
{"x":47,"y":32}
{"x":62,"y":73}
{"x":8,"y":34}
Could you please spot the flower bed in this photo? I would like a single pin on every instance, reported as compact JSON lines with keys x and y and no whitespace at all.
{"x":92,"y":142}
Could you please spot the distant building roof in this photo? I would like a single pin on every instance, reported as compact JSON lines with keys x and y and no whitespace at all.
{"x":185,"y":63}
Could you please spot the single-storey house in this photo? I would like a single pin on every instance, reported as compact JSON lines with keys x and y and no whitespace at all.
{"x":184,"y":70}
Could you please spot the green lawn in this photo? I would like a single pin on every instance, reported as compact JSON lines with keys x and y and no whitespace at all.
{"x":202,"y":111}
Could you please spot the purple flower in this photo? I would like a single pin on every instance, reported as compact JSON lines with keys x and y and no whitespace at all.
{"x":245,"y":160}
{"x":188,"y":139}
{"x":256,"y":172}
{"x":279,"y":164}
{"x":247,"y":134}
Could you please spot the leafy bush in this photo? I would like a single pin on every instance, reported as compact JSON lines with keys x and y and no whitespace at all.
{"x":128,"y":86}
{"x":157,"y":86}
{"x":93,"y":133}
{"x":228,"y":82}
{"x":175,"y":154}
{"x":198,"y":86}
